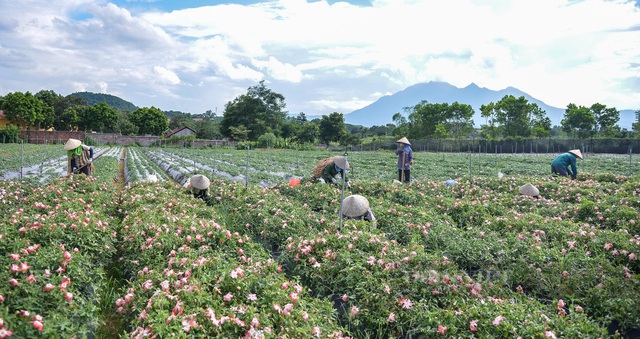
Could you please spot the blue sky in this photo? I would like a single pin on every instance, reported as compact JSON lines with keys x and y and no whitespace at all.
{"x":323,"y":56}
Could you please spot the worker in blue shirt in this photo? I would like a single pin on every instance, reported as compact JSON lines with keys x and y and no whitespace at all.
{"x":565,"y":164}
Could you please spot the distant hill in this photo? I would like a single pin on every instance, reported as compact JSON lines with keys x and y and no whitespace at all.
{"x":381,"y":111}
{"x":111,"y":100}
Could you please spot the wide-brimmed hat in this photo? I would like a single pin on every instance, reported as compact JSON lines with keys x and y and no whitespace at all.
{"x":576,"y":152}
{"x":355,"y":206}
{"x":404,"y":140}
{"x":72,"y":144}
{"x":341,"y":162}
{"x":530,"y":190}
{"x":200,"y":182}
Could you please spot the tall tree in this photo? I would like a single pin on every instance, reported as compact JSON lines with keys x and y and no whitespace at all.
{"x":125,"y":126}
{"x":181,"y":120}
{"x":308,"y":133}
{"x":301,"y":118}
{"x":209,"y":115}
{"x":578,"y":121}
{"x":606,"y":118}
{"x":68,"y":111}
{"x":150,"y":120}
{"x":424,"y":117}
{"x":460,"y":120}
{"x":25,"y":109}
{"x":51,"y":100}
{"x":513,"y":117}
{"x":332,"y":128}
{"x":402,"y":126}
{"x":99,"y":118}
{"x":260,"y":111}
{"x":636,"y":125}
{"x":207,"y":129}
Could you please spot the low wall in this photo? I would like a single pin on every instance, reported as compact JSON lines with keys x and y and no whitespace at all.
{"x":49,"y":137}
{"x":113,"y":138}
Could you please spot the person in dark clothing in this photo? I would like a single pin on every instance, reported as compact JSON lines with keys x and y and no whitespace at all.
{"x":79,"y":157}
{"x":199,"y":186}
{"x":405,"y":160}
{"x":328,"y":169}
{"x":565,"y":164}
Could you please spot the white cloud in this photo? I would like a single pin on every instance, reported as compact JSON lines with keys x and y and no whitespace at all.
{"x":166,"y":76}
{"x":279,"y":70}
{"x":328,"y":57}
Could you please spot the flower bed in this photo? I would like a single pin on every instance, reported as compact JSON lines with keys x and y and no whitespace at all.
{"x":471,"y":260}
{"x":55,"y":242}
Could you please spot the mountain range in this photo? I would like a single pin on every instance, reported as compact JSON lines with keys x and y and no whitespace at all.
{"x":380,"y":112}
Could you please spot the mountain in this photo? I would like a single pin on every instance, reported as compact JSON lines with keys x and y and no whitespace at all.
{"x":111,"y":100}
{"x":381,"y":111}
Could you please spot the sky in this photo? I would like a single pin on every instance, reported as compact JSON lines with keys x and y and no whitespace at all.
{"x":323,"y":56}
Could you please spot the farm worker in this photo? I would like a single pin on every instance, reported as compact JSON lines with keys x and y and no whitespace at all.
{"x":405,"y":159}
{"x":79,"y":157}
{"x":357,"y":207}
{"x":327,"y":169}
{"x":565,"y":164}
{"x":198,"y":185}
{"x":529,"y":189}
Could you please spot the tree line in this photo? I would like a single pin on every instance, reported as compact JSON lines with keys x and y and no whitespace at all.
{"x":260,"y":117}
{"x":49,"y":110}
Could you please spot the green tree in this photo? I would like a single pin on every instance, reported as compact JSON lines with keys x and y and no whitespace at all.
{"x":25,"y":109}
{"x":10,"y":133}
{"x":606,"y":119}
{"x":150,"y":120}
{"x":301,"y":118}
{"x":99,"y":118}
{"x":125,"y":126}
{"x":68,"y":111}
{"x":51,"y":100}
{"x":309,"y":132}
{"x":332,"y":128}
{"x":513,"y":117}
{"x":239,"y":132}
{"x":636,"y":125}
{"x":460,"y":120}
{"x":578,"y":121}
{"x":69,"y":119}
{"x":267,"y":140}
{"x":423,"y":119}
{"x":208,"y":129}
{"x":261,"y":110}
{"x":349,"y":139}
{"x":181,"y":120}
{"x":402,"y":126}
{"x":440,"y":132}
{"x":542,"y":128}
{"x":209,"y":115}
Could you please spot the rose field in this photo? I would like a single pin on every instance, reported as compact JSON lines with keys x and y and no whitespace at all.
{"x":128,"y":253}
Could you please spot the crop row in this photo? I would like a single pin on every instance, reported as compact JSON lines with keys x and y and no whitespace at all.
{"x":472,"y":260}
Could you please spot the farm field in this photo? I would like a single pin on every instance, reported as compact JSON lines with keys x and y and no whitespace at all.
{"x":128,"y":253}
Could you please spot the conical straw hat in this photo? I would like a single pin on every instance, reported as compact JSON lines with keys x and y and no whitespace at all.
{"x":530,"y":190}
{"x":72,"y":144}
{"x":341,"y":162}
{"x":404,"y":140}
{"x":200,"y":182}
{"x":354,"y":206}
{"x":576,"y":152}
